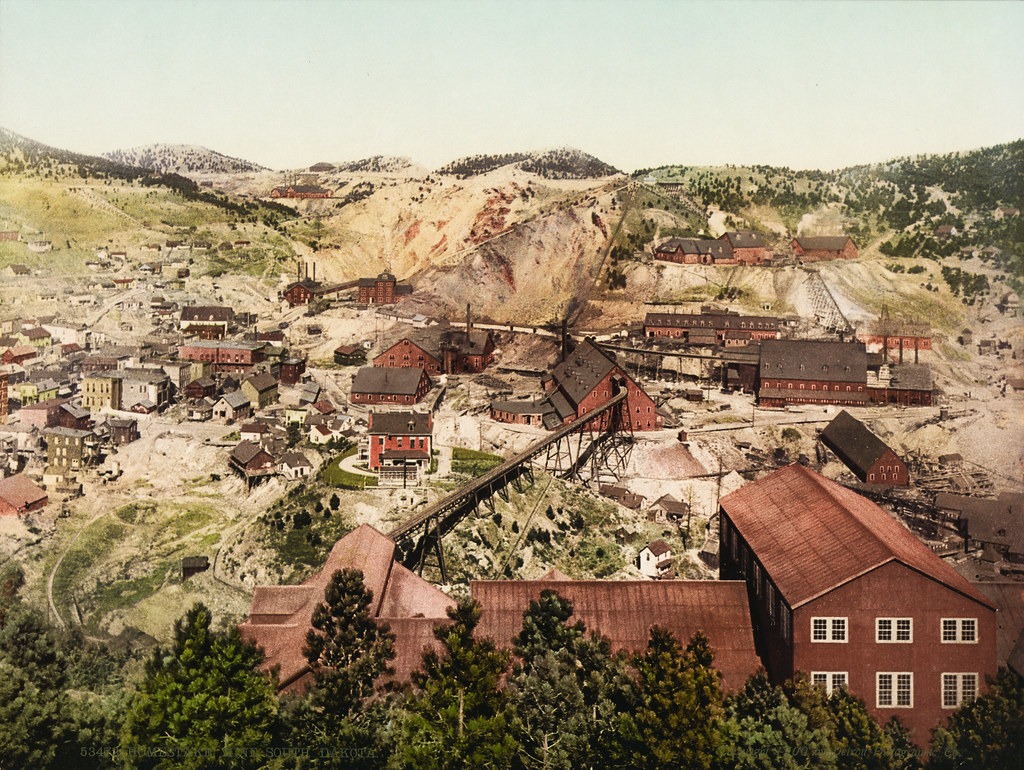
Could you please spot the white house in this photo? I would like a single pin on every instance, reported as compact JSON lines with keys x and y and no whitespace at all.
{"x":655,"y":559}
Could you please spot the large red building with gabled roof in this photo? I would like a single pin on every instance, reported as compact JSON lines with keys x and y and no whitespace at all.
{"x":281,"y":616}
{"x":842,"y":591}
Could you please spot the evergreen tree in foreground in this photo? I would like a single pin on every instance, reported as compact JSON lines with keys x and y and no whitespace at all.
{"x":460,"y":718}
{"x":201,"y":703}
{"x":348,"y":652}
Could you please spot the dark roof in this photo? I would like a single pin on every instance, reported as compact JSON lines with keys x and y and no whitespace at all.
{"x":910,"y":376}
{"x":744,"y":239}
{"x":581,"y":372}
{"x":262,"y":381}
{"x":214,"y":313}
{"x":296,"y":459}
{"x":406,"y":454}
{"x":658,"y":547}
{"x":624,"y":611}
{"x":814,"y":360}
{"x":855,"y":445}
{"x":245,"y":452}
{"x":399,"y":424}
{"x":388,"y":381}
{"x":823,"y":242}
{"x":812,"y":535}
{"x":717,"y":249}
{"x":522,"y":407}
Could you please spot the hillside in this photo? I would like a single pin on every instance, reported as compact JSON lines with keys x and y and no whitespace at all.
{"x":20,"y":155}
{"x":562,"y":163}
{"x":181,"y":159}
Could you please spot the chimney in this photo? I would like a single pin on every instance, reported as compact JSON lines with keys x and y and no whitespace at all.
{"x":469,"y":326}
{"x":314,"y":271}
{"x":565,"y":338}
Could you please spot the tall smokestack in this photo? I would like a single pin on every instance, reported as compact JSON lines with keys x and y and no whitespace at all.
{"x":565,"y":338}
{"x":314,"y":271}
{"x":469,"y":321}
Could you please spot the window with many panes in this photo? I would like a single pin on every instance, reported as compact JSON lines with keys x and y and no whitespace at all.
{"x":830,"y":680}
{"x":828,"y":630}
{"x":898,"y":630}
{"x":959,"y":630}
{"x":894,"y":689}
{"x":958,"y":688}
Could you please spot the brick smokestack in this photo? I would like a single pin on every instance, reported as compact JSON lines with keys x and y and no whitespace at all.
{"x":469,"y":326}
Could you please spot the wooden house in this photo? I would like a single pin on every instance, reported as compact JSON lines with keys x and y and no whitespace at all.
{"x":655,"y":559}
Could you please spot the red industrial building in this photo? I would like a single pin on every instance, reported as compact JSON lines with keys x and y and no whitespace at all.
{"x":840,"y":590}
{"x":224,"y":356}
{"x":281,"y":616}
{"x":819,"y":248}
{"x":904,"y":384}
{"x":441,"y":351}
{"x":867,"y":456}
{"x":680,"y":325}
{"x":624,"y":611}
{"x":384,"y":289}
{"x":292,"y":370}
{"x":812,"y":372}
{"x":585,"y":380}
{"x":377,"y":385}
{"x":748,"y":248}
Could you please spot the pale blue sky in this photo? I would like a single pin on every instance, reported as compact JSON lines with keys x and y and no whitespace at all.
{"x":641,"y":83}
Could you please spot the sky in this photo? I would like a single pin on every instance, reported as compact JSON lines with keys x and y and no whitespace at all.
{"x":638,"y":83}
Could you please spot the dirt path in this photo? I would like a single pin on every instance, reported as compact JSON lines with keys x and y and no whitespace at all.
{"x":53,"y":572}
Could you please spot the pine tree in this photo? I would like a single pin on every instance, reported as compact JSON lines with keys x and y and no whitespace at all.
{"x":201,"y":703}
{"x":348,"y":653}
{"x":460,"y":718}
{"x":675,"y":723}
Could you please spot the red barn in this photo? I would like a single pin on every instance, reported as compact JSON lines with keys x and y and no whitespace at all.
{"x":818,"y":248}
{"x":376,"y":385}
{"x":840,"y":590}
{"x":748,"y":248}
{"x":866,"y":455}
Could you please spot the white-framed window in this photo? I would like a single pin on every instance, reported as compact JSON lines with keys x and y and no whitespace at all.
{"x":894,"y":630}
{"x":958,"y":688}
{"x":830,"y":680}
{"x":894,"y":689}
{"x":828,"y":630}
{"x":959,"y":630}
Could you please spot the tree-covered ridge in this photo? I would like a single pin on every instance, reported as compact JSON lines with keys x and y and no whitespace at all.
{"x":377,"y":164}
{"x":20,"y":155}
{"x":181,"y":159}
{"x":562,"y":163}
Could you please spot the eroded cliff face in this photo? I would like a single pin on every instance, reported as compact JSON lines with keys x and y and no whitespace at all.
{"x":517,"y":247}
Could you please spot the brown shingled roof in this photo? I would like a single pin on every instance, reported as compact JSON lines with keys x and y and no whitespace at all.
{"x":624,"y":611}
{"x":813,"y":535}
